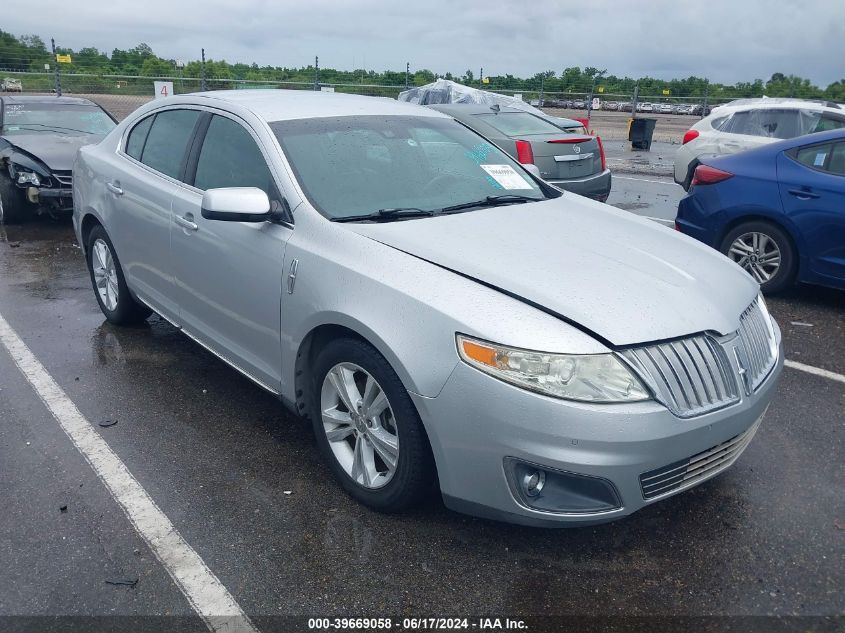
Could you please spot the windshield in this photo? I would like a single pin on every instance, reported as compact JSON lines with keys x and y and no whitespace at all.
{"x":55,"y":118}
{"x":356,"y":165}
{"x":518,"y":123}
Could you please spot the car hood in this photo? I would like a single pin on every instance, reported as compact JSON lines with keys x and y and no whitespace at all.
{"x":625,"y":279}
{"x":54,"y":150}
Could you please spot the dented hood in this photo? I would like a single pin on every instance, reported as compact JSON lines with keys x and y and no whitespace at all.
{"x":626,"y":279}
{"x":56,"y":151}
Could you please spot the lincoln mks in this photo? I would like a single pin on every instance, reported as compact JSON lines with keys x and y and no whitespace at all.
{"x":443,"y":318}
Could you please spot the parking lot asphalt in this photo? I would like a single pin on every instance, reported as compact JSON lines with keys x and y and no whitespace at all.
{"x":241,"y":480}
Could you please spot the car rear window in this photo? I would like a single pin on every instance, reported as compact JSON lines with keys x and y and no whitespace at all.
{"x":518,"y":123}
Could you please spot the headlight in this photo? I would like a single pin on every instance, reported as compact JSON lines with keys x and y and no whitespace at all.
{"x":25,"y":177}
{"x":584,"y":377}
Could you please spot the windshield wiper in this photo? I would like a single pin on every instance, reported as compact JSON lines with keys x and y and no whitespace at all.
{"x":57,"y":128}
{"x":492,"y":201}
{"x":387,"y":215}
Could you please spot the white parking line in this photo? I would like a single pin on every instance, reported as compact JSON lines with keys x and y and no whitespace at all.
{"x":816,"y":371}
{"x":206,"y":594}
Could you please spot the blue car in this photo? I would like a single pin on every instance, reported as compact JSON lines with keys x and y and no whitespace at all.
{"x":777,"y":210}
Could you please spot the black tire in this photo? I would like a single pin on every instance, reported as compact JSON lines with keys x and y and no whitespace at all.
{"x":784,"y":276}
{"x":127,"y":311}
{"x":12,"y":202}
{"x":415,"y":472}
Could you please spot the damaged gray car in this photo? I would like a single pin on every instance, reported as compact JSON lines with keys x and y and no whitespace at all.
{"x":39,"y":139}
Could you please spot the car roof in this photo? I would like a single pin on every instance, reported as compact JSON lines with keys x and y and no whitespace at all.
{"x":284,"y":105}
{"x":46,"y":99}
{"x":769,"y":103}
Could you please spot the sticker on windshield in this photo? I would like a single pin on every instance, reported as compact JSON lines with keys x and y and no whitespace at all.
{"x":506,"y":176}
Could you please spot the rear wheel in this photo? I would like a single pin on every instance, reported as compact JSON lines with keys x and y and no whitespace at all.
{"x":368,"y":429}
{"x":12,"y":202}
{"x":113,"y":296}
{"x":765,"y":252}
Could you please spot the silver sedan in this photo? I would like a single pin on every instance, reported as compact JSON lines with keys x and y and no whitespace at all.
{"x":443,"y":317}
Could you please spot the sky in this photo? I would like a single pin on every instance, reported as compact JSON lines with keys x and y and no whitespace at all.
{"x":724,"y":40}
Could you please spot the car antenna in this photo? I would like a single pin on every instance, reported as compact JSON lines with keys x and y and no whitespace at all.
{"x":495,"y":108}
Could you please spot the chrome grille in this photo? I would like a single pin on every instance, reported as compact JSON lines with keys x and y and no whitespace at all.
{"x":688,"y":472}
{"x":758,"y":344}
{"x":689,"y":376}
{"x":64,"y":178}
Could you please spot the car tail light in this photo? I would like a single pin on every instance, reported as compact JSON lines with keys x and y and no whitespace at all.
{"x":524,"y":153}
{"x":691,"y":135}
{"x":601,"y":153}
{"x":577,"y":139}
{"x":707,"y":175}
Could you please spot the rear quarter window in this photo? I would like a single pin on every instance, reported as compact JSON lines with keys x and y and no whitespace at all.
{"x":137,"y":137}
{"x":814,"y":156}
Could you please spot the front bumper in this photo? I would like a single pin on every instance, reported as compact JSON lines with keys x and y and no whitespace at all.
{"x":60,"y":198}
{"x":596,"y":186}
{"x":477,"y":423}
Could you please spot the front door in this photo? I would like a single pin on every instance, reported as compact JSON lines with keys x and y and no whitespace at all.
{"x":228,"y":275}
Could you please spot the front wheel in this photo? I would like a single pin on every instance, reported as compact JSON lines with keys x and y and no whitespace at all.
{"x":765,"y":252}
{"x":367,"y":427}
{"x":12,"y":202}
{"x":116,"y":302}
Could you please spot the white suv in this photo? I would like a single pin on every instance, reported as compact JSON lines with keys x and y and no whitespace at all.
{"x":748,"y":123}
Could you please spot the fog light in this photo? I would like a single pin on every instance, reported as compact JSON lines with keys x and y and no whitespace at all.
{"x":533,"y":482}
{"x":551,"y":490}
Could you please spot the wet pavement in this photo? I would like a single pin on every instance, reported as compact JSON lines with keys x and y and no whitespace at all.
{"x":218,"y":455}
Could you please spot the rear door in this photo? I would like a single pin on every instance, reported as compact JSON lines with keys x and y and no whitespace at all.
{"x":812,"y":187}
{"x":140,"y":193}
{"x":228,"y":275}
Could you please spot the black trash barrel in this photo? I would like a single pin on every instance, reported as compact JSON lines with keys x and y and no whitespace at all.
{"x":641,"y":132}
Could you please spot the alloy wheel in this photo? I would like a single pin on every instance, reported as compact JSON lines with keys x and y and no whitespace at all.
{"x":758,"y":254}
{"x":105,"y":274}
{"x":359,"y":425}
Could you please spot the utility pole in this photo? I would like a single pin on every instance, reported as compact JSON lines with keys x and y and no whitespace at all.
{"x":203,"y":83}
{"x":407,"y":73}
{"x":704,"y":107}
{"x":540,"y":98}
{"x":316,"y":73}
{"x":634,"y":102}
{"x":592,"y":92}
{"x":481,"y":76}
{"x":57,"y":79}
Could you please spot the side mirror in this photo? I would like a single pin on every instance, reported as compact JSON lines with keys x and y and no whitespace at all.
{"x":236,"y":204}
{"x":531,"y":169}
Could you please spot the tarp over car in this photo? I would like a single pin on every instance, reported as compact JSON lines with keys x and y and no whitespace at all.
{"x":444,"y":91}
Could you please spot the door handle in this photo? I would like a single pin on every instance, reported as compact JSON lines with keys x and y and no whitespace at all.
{"x":114,"y":187}
{"x":803,"y":194}
{"x":186,"y":222}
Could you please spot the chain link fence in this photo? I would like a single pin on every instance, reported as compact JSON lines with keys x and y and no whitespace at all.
{"x":606,"y":114}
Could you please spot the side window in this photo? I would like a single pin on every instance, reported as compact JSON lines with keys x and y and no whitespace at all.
{"x":231,"y":158}
{"x":837,"y":160}
{"x":137,"y":137}
{"x":720,"y":122}
{"x":813,"y":156}
{"x":828,"y":122}
{"x":167,"y":139}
